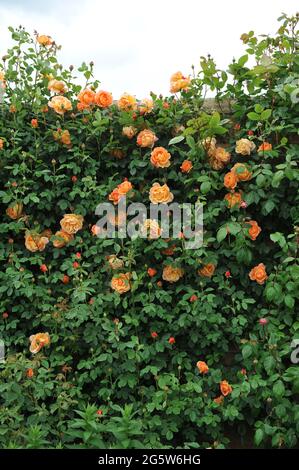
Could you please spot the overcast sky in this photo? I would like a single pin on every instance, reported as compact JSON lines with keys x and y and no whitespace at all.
{"x":135,"y":44}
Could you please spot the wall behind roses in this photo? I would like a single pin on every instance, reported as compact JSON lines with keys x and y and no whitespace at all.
{"x":121,"y":343}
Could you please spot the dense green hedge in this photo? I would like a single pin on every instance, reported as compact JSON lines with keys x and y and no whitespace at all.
{"x":110,"y":369}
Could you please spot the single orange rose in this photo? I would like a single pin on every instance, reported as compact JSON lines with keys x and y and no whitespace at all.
{"x":127,"y":102}
{"x":103,"y":99}
{"x":186,"y":166}
{"x":86,"y":97}
{"x":57,"y":86}
{"x":230,"y":180}
{"x":258,"y":274}
{"x":146,"y":106}
{"x":63,"y":238}
{"x":219,"y":400}
{"x":71,"y":223}
{"x":15,"y":210}
{"x":172,"y":274}
{"x":115,"y":262}
{"x":121,"y":283}
{"x":124,"y":187}
{"x":38,"y":341}
{"x":146,"y":138}
{"x":44,"y":40}
{"x":264,"y":147}
{"x":30,"y":373}
{"x":202,"y":367}
{"x":129,"y":131}
{"x":1,"y":144}
{"x":160,"y":158}
{"x":254,"y":229}
{"x":241,"y":171}
{"x":207,"y":270}
{"x":35,"y":242}
{"x":160,"y":194}
{"x":178,"y":82}
{"x":218,"y":157}
{"x":60,"y":104}
{"x":151,"y":272}
{"x":225,"y":388}
{"x":244,"y":146}
{"x":233,"y":199}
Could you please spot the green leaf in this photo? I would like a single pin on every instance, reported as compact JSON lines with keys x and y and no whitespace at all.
{"x":247,"y":351}
{"x":221,"y":234}
{"x":279,"y":389}
{"x":266,"y":114}
{"x":289,"y":301}
{"x":205,"y":187}
{"x":259,"y":436}
{"x":176,"y":140}
{"x":253,"y":116}
{"x":242,"y":61}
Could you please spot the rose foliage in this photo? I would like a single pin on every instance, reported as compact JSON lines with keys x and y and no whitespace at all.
{"x":143,"y":342}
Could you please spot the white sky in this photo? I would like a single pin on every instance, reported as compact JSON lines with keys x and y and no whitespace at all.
{"x":136,"y":44}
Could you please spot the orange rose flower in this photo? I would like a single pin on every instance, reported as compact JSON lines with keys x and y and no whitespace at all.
{"x":129,"y":131}
{"x":233,"y":199}
{"x":186,"y":166}
{"x":160,"y":157}
{"x":241,"y":171}
{"x":60,"y":104}
{"x":124,"y":187}
{"x":225,"y":388}
{"x":117,"y":153}
{"x":202,"y":367}
{"x":71,"y":223}
{"x":218,"y":157}
{"x":115,"y":262}
{"x":103,"y":99}
{"x":63,"y":238}
{"x":264,"y":147}
{"x":65,"y":138}
{"x":178,"y":82}
{"x":57,"y":86}
{"x":219,"y":400}
{"x":35,"y":242}
{"x":254,"y":229}
{"x":244,"y":147}
{"x":127,"y":102}
{"x":44,"y":40}
{"x":121,"y":283}
{"x":1,"y":144}
{"x":15,"y":210}
{"x":34,"y":123}
{"x":172,"y":274}
{"x":86,"y":97}
{"x":146,"y":138}
{"x":30,"y":373}
{"x":230,"y":180}
{"x":258,"y":274}
{"x":207,"y":270}
{"x":153,"y":227}
{"x":38,"y":341}
{"x":151,"y":272}
{"x":160,"y":194}
{"x":115,"y":196}
{"x":146,"y":106}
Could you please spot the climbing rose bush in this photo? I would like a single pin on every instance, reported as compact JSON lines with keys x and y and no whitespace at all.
{"x":145,"y":343}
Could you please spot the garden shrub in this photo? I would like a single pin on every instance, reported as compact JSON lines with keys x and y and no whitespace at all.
{"x":142,"y":342}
